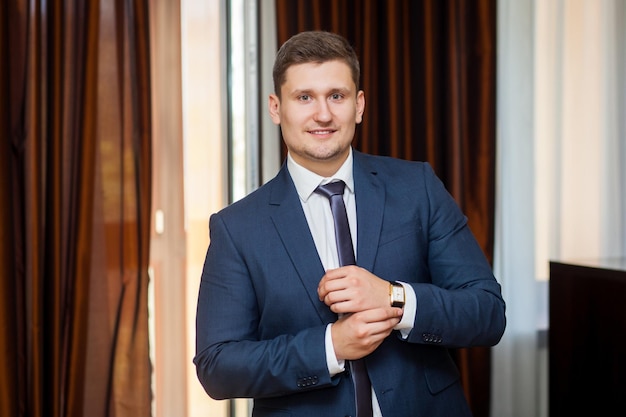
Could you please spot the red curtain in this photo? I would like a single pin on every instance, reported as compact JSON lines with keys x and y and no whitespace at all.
{"x":75,"y":161}
{"x":428,"y":69}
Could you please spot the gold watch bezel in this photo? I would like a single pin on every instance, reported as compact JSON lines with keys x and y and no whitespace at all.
{"x":397,"y":297}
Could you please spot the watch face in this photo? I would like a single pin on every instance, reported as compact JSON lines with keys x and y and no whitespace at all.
{"x":397,"y":296}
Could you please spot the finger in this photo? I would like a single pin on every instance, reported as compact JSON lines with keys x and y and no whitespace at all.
{"x":375,"y":315}
{"x":325,"y":288}
{"x":339,"y":305}
{"x":340,"y":272}
{"x":330,"y":283}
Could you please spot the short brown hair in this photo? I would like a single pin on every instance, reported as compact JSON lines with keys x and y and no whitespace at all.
{"x":314,"y":46}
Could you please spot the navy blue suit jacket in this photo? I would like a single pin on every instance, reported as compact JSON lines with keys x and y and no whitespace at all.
{"x":260,"y":325}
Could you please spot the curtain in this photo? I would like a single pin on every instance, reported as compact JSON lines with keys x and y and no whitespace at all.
{"x":75,"y":195}
{"x":428,"y":70}
{"x":561,"y":169}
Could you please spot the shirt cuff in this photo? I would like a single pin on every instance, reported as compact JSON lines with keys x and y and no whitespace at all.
{"x":410,"y":309}
{"x":334,"y":366}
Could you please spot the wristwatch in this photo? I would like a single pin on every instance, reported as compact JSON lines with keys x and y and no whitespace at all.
{"x":396,"y":294}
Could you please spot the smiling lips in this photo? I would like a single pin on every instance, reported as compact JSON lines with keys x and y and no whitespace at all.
{"x":322,"y":132}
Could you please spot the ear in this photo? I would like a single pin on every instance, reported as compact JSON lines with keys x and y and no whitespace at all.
{"x":360,"y":106}
{"x":274,"y":108}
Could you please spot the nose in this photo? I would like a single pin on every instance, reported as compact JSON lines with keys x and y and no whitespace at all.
{"x":323,"y":113}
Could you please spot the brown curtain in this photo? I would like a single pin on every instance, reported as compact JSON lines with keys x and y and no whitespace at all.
{"x":428,"y":72}
{"x":75,"y":164}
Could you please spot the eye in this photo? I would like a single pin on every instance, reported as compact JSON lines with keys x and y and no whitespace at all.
{"x":336,"y":96}
{"x":304,"y":97}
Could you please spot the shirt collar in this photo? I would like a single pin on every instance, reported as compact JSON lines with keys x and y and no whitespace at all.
{"x":307,"y":181}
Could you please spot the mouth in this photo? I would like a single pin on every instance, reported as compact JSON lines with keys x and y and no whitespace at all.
{"x":322,"y":132}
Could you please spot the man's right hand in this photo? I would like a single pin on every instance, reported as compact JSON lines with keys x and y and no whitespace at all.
{"x":356,"y":335}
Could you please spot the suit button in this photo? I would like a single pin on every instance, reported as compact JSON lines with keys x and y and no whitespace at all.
{"x":432,"y":338}
{"x":307,"y":381}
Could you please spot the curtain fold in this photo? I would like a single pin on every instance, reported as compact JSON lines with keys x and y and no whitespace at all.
{"x":74,"y":219}
{"x":428,"y":69}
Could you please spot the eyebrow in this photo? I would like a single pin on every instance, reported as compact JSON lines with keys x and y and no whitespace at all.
{"x":310,"y":92}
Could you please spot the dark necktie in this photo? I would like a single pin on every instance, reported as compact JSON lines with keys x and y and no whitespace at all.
{"x":334,"y":192}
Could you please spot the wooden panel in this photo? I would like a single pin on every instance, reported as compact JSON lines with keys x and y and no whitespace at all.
{"x":587,"y":338}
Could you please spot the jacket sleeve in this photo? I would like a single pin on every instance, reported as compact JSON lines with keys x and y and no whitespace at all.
{"x":233,"y":358}
{"x":460,"y":303}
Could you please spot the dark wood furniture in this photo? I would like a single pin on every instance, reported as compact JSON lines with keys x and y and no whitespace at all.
{"x":587,"y":338}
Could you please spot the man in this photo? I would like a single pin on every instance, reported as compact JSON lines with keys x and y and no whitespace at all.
{"x":281,"y":320}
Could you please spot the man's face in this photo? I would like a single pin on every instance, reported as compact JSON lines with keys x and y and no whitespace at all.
{"x":318,"y":112}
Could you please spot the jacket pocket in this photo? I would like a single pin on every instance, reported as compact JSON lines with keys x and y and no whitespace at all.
{"x":270,"y":412}
{"x":441,"y":371}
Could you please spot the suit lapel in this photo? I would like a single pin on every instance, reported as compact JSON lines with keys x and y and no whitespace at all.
{"x":370,"y":203}
{"x":294,"y":232}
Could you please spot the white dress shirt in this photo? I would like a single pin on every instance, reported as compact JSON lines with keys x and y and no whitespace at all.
{"x":320,"y":219}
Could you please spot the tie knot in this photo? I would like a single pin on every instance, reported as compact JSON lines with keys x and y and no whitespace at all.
{"x":331,"y":189}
